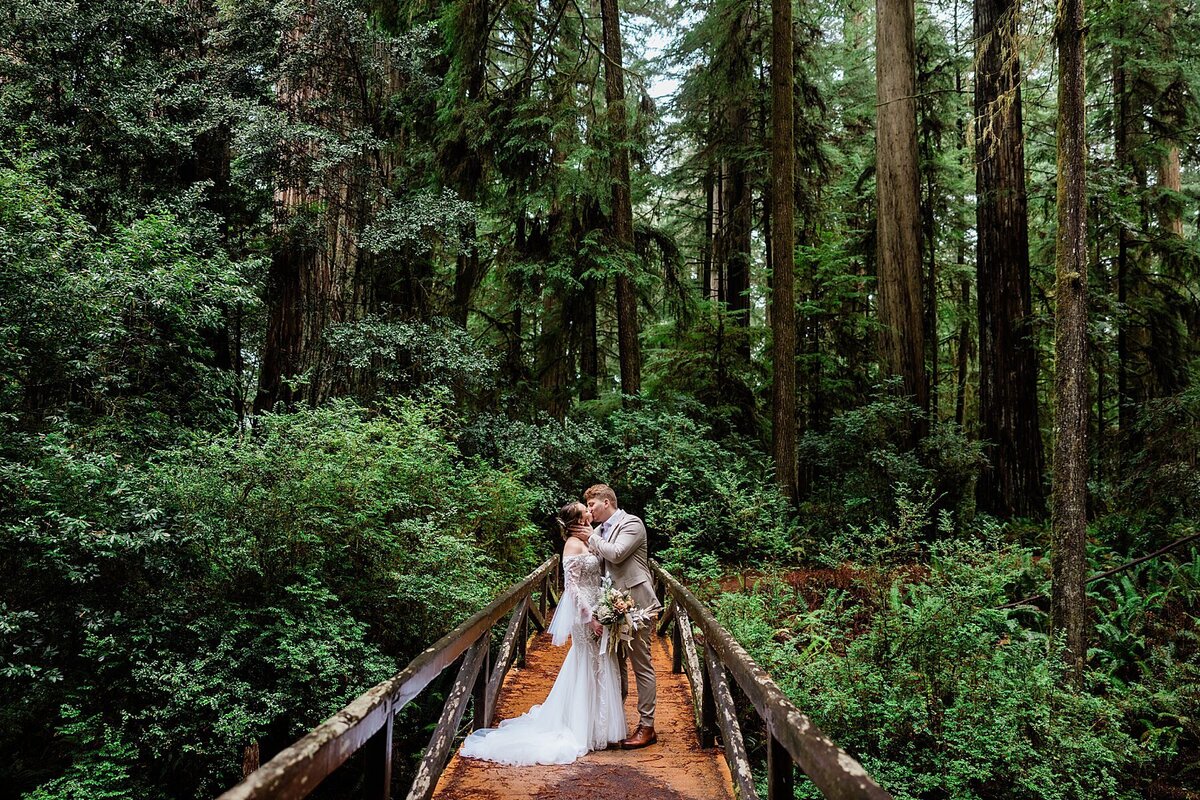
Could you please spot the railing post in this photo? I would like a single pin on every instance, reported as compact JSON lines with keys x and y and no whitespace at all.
{"x":378,"y":783}
{"x":479,"y":693}
{"x":708,"y":706}
{"x":522,"y":636}
{"x":542,"y":598}
{"x":781,"y":772}
{"x":676,"y":647}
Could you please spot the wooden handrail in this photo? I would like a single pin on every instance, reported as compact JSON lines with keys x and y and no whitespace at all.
{"x":793,"y":738}
{"x":297,"y":770}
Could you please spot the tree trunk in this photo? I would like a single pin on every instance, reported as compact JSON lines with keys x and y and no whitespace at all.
{"x":1130,"y":357}
{"x":589,"y":350}
{"x":710,"y":235}
{"x":622,"y":203}
{"x":1011,"y":484}
{"x":1069,"y":561}
{"x":783,"y":210}
{"x":739,"y":199}
{"x":898,"y":247}
{"x":467,"y":171}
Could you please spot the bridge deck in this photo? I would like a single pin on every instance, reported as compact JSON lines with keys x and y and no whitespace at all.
{"x":676,"y":768}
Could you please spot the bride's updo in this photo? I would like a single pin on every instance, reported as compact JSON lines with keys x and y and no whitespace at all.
{"x":567,"y":516}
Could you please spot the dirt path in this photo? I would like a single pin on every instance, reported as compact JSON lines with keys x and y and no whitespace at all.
{"x":676,"y":768}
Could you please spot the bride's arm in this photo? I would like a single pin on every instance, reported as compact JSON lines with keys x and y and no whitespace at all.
{"x":571,"y":609}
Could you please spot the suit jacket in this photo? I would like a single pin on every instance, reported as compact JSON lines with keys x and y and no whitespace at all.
{"x":626,"y":560}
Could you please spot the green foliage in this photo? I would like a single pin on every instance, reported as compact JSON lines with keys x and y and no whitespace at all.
{"x":558,"y":460}
{"x":236,"y":588}
{"x":122,"y":325}
{"x":394,"y":356}
{"x":711,"y":505}
{"x":867,"y":483}
{"x":935,"y":693}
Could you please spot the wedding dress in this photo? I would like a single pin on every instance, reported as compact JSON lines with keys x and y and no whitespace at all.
{"x":583,"y":710}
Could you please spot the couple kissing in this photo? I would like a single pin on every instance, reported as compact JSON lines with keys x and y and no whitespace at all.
{"x":584,"y":709}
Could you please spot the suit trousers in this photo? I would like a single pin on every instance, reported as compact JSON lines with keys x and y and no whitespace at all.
{"x":637,"y":653}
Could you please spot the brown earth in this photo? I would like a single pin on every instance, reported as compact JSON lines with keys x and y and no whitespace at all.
{"x":676,"y":768}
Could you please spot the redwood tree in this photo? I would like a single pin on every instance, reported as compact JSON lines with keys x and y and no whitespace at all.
{"x":1069,"y":561}
{"x":898,"y":245}
{"x":783,"y":210}
{"x":622,"y":204}
{"x":1011,"y":485}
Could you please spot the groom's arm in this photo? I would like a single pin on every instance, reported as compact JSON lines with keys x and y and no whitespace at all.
{"x":626,"y":542}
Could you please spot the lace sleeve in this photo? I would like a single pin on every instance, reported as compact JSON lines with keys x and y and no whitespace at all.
{"x":572,"y":609}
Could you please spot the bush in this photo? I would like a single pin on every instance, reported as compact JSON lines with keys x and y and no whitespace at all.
{"x":864,"y":478}
{"x":940,"y":696}
{"x":710,"y":506}
{"x":167,"y":613}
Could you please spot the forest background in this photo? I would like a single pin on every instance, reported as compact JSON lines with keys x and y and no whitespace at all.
{"x":312,"y":312}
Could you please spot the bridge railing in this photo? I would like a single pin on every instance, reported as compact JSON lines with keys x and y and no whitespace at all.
{"x":366,"y":723}
{"x":792,"y":739}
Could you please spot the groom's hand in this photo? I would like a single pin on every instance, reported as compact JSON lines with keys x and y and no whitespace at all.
{"x":581,"y":532}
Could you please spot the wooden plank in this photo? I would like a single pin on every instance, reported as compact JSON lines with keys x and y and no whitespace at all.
{"x":504,"y":659}
{"x":539,"y":621}
{"x":835,"y":773}
{"x":731,"y":730}
{"x":691,"y":664}
{"x":297,"y":770}
{"x":446,"y":732}
{"x":708,"y":703}
{"x":676,"y":647}
{"x":481,"y":714}
{"x":545,"y":590}
{"x":667,"y":618}
{"x":522,"y":639}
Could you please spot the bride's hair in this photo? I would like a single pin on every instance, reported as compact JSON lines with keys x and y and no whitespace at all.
{"x":567,"y":516}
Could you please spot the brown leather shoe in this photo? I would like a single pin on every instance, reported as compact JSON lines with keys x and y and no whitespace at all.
{"x":644,"y":735}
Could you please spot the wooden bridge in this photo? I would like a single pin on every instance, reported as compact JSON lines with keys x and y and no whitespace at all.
{"x":695,"y":711}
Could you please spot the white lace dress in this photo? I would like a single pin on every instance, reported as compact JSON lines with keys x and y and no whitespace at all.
{"x":583,"y":710}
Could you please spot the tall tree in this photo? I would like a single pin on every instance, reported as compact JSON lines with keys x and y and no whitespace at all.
{"x":1069,"y":559}
{"x":1011,"y":484}
{"x":622,"y":203}
{"x":898,"y":241}
{"x":783,"y":209}
{"x":462,"y":155}
{"x":1132,"y":344}
{"x":319,"y":201}
{"x":738,"y":192}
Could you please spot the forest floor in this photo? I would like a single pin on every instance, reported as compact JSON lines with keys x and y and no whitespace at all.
{"x":676,"y":768}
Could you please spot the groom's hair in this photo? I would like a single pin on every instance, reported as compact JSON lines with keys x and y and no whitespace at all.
{"x":601,"y":491}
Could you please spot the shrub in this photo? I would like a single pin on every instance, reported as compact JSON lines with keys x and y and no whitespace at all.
{"x":864,"y":477}
{"x":940,"y":695}
{"x":239,"y":588}
{"x":709,"y":505}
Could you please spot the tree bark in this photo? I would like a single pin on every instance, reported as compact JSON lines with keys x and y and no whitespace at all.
{"x":622,"y":204}
{"x":1131,"y":366}
{"x":898,"y":248}
{"x":739,"y":199}
{"x":1069,"y":562}
{"x":783,"y":210}
{"x":1011,"y":484}
{"x":467,"y":165}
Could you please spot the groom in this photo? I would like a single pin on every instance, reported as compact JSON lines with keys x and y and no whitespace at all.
{"x":620,"y":542}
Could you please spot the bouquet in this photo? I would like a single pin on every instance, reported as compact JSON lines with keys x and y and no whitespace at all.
{"x":619,"y":614}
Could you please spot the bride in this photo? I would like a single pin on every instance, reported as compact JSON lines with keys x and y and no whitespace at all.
{"x":583,"y":710}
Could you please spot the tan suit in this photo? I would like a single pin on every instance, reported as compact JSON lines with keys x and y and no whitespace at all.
{"x":626,"y":561}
